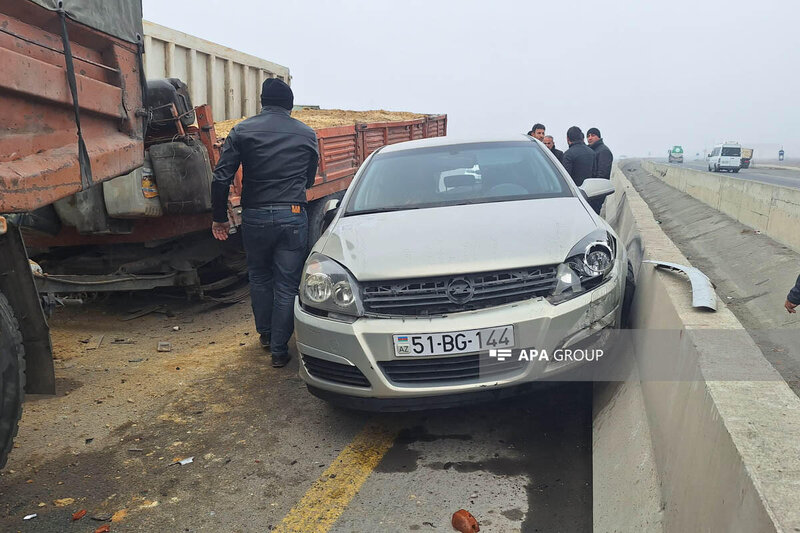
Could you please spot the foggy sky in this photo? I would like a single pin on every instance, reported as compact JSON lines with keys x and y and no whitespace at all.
{"x":648,"y":74}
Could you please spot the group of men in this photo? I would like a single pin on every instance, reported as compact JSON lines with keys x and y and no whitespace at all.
{"x":580,"y":160}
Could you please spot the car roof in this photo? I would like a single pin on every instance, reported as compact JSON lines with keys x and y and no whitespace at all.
{"x":451,"y":141}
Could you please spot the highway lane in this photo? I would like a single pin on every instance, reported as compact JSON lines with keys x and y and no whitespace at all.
{"x":772,"y":176}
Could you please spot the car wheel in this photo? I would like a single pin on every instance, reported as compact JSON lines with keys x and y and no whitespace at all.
{"x":12,"y":377}
{"x":735,"y":170}
{"x":627,"y":297}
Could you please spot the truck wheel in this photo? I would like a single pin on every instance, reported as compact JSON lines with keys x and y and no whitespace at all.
{"x":315,"y":217}
{"x":12,"y":377}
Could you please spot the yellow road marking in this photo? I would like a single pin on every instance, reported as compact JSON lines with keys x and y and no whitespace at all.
{"x":330,"y":495}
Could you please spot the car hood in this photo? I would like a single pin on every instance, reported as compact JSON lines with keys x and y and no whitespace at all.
{"x":458,"y":239}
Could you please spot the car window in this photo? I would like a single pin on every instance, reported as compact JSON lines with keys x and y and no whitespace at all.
{"x":715,"y":152}
{"x":456,"y":174}
{"x":731,"y":151}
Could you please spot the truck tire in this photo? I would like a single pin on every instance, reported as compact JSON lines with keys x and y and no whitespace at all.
{"x":315,"y":217}
{"x":12,"y":377}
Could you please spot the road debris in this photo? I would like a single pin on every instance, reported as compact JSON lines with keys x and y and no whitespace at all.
{"x":78,"y":515}
{"x":30,"y":516}
{"x":119,"y":516}
{"x":63,"y":502}
{"x":137,"y":360}
{"x":176,"y":328}
{"x":164,"y":347}
{"x":99,"y":342}
{"x":121,"y":340}
{"x":101,"y":517}
{"x":464,"y":522}
{"x":183,"y":462}
{"x":105,"y":528}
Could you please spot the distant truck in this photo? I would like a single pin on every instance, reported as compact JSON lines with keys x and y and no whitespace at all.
{"x":725,"y":157}
{"x":747,"y":156}
{"x":675,"y":155}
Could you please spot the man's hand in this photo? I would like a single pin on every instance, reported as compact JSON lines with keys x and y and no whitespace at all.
{"x":790,"y":307}
{"x":221,"y":229}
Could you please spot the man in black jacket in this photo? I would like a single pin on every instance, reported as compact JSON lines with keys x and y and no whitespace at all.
{"x":551,"y":144}
{"x":279,"y":157}
{"x":793,"y":298}
{"x":603,"y":158}
{"x":579,"y":158}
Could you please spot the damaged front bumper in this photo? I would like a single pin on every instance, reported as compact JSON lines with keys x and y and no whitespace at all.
{"x":357,"y":360}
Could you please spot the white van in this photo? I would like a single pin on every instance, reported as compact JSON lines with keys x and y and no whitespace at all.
{"x":726,"y":156}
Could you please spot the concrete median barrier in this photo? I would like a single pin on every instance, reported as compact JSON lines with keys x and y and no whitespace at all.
{"x":771,"y":209}
{"x":726,"y":453}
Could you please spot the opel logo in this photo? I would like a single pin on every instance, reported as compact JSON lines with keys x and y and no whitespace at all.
{"x":460,"y":290}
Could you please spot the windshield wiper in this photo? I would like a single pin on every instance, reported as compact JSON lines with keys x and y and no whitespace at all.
{"x":382,"y":210}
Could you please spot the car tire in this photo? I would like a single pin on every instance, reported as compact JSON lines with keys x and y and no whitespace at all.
{"x":627,"y":297}
{"x":735,"y":170}
{"x":12,"y":377}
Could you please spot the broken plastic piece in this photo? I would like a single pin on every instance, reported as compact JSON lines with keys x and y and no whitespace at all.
{"x":105,"y":528}
{"x":78,"y":515}
{"x":186,"y":461}
{"x":703,"y":294}
{"x":464,"y":522}
{"x":164,"y":347}
{"x":30,"y":516}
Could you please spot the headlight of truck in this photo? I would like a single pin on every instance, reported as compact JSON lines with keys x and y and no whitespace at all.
{"x":588,"y":264}
{"x":328,"y":286}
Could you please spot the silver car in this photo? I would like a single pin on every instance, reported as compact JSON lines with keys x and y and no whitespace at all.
{"x":445,"y":262}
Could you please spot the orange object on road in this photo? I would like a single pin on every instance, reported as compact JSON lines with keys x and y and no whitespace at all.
{"x":105,"y":528}
{"x":464,"y":522}
{"x":80,"y":514}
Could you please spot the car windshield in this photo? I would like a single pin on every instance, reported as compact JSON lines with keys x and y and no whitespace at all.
{"x":456,"y":174}
{"x":677,"y":150}
{"x":731,"y":151}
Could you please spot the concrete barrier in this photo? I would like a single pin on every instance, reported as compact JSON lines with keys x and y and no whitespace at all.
{"x":727,"y":453}
{"x":771,"y":209}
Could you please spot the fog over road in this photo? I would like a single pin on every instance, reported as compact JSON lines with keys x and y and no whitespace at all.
{"x":784,"y":177}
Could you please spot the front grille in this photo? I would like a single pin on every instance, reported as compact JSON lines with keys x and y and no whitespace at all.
{"x":429,"y":296}
{"x":438,"y":370}
{"x":336,"y":372}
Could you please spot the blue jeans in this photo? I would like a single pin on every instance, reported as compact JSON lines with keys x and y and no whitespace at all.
{"x":275,"y":240}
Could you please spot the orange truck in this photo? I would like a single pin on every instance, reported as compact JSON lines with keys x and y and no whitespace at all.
{"x":105,"y":178}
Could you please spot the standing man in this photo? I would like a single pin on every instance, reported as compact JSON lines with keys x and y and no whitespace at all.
{"x":579,"y":158}
{"x":279,"y":160}
{"x":537,"y":131}
{"x":603,"y":157}
{"x":551,"y":144}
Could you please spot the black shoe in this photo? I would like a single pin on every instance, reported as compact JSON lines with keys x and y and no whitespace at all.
{"x":264,"y":341}
{"x":281,"y":360}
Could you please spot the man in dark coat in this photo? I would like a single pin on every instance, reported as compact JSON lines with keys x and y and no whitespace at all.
{"x":551,"y":144}
{"x":603,"y":158}
{"x":579,"y":158}
{"x":279,"y":157}
{"x":793,"y":298}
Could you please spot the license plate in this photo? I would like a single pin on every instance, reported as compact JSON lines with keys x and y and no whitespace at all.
{"x":455,"y":342}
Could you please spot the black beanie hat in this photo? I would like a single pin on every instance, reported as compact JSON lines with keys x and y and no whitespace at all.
{"x":594,"y":131}
{"x":276,"y":92}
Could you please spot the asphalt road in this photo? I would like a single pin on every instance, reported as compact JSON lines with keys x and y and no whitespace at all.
{"x":782,"y":177}
{"x":268,"y":456}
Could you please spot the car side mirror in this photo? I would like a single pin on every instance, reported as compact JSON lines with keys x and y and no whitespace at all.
{"x":596,"y":188}
{"x":329,"y":211}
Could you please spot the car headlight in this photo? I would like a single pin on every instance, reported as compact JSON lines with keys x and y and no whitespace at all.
{"x":328,"y":286}
{"x":588,"y":264}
